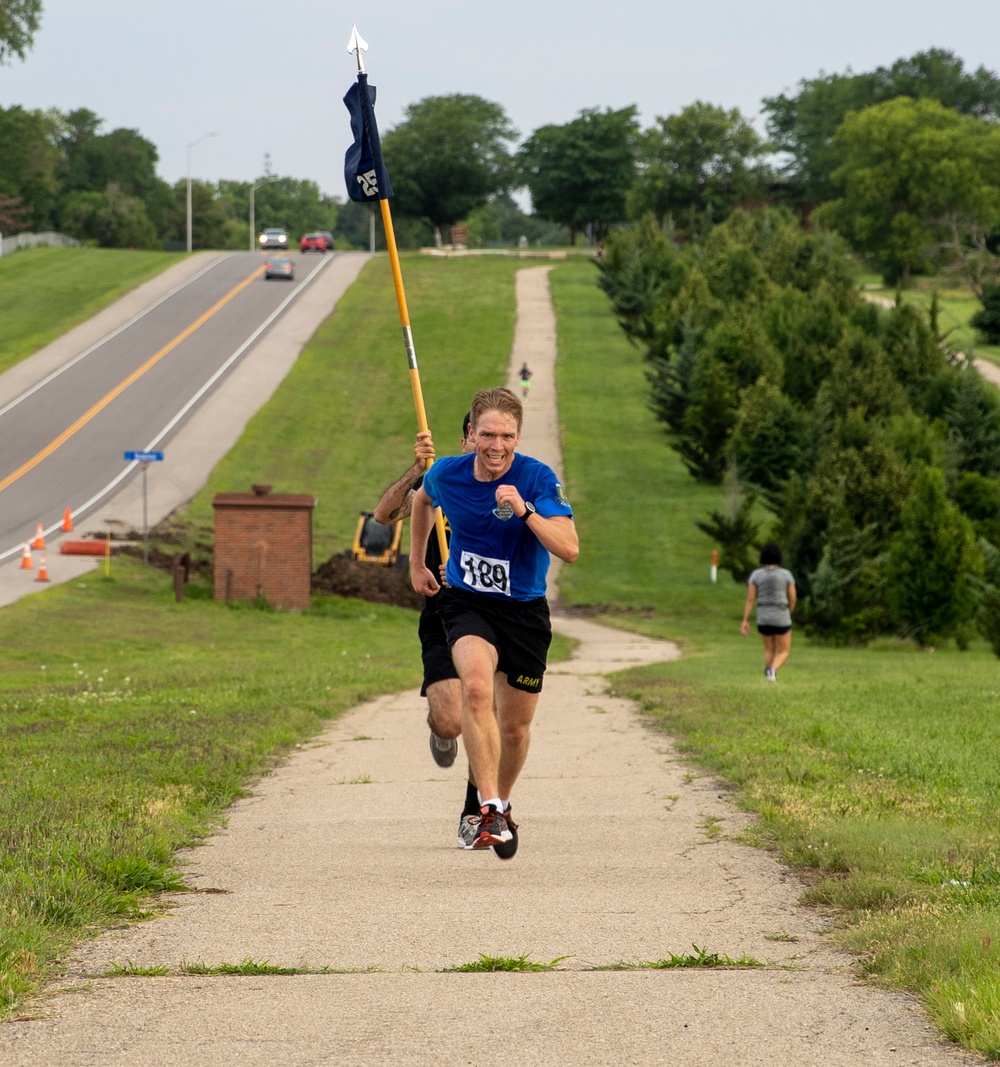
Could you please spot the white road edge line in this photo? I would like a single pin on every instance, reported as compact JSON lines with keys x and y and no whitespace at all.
{"x":103,"y":493}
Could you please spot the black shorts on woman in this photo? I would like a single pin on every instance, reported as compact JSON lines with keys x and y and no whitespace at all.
{"x":520,"y":631}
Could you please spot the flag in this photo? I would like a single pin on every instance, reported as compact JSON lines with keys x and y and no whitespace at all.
{"x":364,"y":171}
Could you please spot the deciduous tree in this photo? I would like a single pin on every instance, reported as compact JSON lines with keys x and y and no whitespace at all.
{"x":802,"y":125}
{"x":448,"y":156}
{"x":913,"y":176}
{"x":19,"y":22}
{"x":579,"y":173}
{"x":698,"y":165}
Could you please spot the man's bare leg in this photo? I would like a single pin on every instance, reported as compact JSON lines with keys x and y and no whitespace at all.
{"x":515,"y":711}
{"x":476,"y":663}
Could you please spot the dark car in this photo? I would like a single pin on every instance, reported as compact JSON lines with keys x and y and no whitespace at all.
{"x":280,"y":267}
{"x":328,"y":238}
{"x":313,"y":242}
{"x":273,"y":238}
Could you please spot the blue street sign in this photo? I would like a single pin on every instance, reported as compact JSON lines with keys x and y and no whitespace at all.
{"x":144,"y":457}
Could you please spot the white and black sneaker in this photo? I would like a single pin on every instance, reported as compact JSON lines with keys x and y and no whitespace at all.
{"x":444,"y":749}
{"x":468,"y":831}
{"x":770,"y":674}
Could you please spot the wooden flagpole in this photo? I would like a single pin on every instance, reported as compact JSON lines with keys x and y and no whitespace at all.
{"x":358,"y":45}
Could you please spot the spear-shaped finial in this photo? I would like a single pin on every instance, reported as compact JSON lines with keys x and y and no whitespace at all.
{"x":357,"y":44}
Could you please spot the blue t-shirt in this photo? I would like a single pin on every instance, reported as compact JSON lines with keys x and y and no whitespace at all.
{"x":489,"y":554}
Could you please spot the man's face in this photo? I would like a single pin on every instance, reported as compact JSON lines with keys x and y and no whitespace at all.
{"x":494,"y":439}
{"x":468,"y":442}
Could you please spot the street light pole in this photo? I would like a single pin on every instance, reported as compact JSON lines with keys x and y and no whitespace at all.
{"x":253,"y":189}
{"x":189,"y":147}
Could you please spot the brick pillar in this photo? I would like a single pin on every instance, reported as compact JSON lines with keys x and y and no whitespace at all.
{"x":263,"y":546}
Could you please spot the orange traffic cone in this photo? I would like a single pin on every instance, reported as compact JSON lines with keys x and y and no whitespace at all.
{"x":43,"y":573}
{"x":67,"y":524}
{"x":26,"y":564}
{"x":39,"y":538}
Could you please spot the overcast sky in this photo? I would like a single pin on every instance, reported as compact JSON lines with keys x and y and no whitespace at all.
{"x":268,"y":76}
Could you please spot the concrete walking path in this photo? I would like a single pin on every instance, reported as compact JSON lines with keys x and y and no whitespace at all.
{"x":345,"y":860}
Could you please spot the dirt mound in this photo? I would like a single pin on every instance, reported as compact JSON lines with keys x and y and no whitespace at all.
{"x":343,"y":576}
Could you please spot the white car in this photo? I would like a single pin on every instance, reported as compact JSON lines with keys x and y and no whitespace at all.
{"x":273,"y":238}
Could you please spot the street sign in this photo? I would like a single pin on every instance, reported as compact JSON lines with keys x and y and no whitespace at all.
{"x":145,"y":458}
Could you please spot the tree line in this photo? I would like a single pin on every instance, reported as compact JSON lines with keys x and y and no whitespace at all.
{"x":902,"y":161}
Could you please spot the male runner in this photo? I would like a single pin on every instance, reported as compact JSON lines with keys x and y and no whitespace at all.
{"x":507,"y":513}
{"x":441,"y":685}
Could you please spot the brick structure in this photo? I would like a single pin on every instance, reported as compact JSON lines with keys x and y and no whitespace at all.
{"x":263,"y":547}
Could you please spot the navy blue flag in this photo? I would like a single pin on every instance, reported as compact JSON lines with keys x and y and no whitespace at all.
{"x":364,"y":171}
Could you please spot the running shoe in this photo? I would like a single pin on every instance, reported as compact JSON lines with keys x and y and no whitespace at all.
{"x":444,"y":749}
{"x":770,"y":674}
{"x":493,"y":829}
{"x":506,"y":851}
{"x":468,"y":831}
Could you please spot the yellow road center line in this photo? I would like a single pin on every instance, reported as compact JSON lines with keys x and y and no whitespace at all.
{"x":123,"y":385}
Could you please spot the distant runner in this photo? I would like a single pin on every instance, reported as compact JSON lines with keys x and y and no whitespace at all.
{"x":773,"y":588}
{"x":507,"y":513}
{"x":524,"y":375}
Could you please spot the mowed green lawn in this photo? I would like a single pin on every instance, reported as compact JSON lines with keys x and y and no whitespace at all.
{"x":872,"y":770}
{"x":46,"y":291}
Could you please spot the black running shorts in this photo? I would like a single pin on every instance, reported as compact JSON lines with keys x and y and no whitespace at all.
{"x":519,"y":630}
{"x":772,"y":631}
{"x":434,"y":650}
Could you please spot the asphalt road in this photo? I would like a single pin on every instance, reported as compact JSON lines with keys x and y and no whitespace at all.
{"x":62,"y":439}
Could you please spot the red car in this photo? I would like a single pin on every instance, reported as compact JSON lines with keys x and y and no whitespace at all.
{"x":313,"y":242}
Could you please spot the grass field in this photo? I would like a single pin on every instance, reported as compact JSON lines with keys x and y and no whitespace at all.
{"x":46,"y":291}
{"x":871,"y":770}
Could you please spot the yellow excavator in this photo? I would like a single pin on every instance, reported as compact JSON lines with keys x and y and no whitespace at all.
{"x":378,"y":544}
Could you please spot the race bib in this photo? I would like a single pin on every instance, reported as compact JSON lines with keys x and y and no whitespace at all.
{"x":486,"y":575}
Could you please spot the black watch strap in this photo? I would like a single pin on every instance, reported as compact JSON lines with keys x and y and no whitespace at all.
{"x":529,"y":510}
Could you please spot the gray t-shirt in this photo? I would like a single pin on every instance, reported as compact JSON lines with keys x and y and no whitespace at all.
{"x":772,"y":595}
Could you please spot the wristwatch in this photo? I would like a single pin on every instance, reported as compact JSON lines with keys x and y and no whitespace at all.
{"x":529,"y":510}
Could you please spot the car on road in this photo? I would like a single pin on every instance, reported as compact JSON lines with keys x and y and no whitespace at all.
{"x":280,"y":267}
{"x":312,"y":242}
{"x":328,"y":237}
{"x":273,"y":237}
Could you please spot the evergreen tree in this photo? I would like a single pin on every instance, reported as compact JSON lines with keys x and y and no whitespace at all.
{"x":930,"y":561}
{"x":771,"y":438}
{"x":846,"y":592}
{"x":734,"y":531}
{"x":987,"y":319}
{"x":986,"y":591}
{"x":974,"y":421}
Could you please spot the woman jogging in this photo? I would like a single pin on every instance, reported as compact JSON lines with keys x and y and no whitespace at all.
{"x":773,"y":588}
